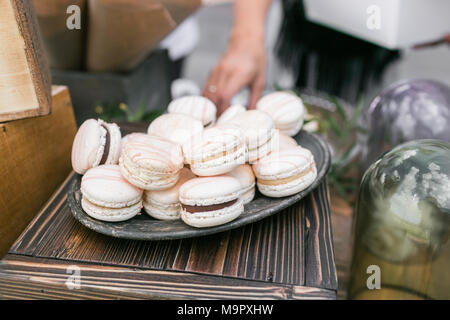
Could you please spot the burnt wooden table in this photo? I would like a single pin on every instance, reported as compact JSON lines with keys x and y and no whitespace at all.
{"x":286,"y":256}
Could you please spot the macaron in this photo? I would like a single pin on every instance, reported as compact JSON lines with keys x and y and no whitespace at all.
{"x":230,"y":113}
{"x":244,"y":174}
{"x":165,"y":204}
{"x":258,"y":129}
{"x":285,"y":172}
{"x":198,"y":107}
{"x":176,"y":127}
{"x":107,"y":196}
{"x":210,"y":201}
{"x":217,"y":150}
{"x":286,"y":109}
{"x":95,"y":143}
{"x":151,"y":162}
{"x":286,"y":142}
{"x":129,"y":136}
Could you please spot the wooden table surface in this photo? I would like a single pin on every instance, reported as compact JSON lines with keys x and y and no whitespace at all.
{"x":286,"y":256}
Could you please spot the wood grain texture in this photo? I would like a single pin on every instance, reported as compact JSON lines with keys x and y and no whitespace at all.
{"x":34,"y":161}
{"x":286,"y":256}
{"x":25,"y":82}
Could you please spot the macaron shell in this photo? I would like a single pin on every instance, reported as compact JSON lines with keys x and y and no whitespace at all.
{"x":221,"y":165}
{"x":286,"y":109}
{"x":205,"y":191}
{"x":284,"y":163}
{"x":286,"y":142}
{"x":88,"y":146}
{"x":134,"y":135}
{"x":213,"y":218}
{"x":110,"y":214}
{"x":115,"y":143}
{"x":199,"y":107}
{"x":163,"y":212}
{"x":171,"y":195}
{"x":244,"y":174}
{"x":147,"y":180}
{"x":257,"y":127}
{"x":290,"y":188}
{"x":154,"y":154}
{"x":212,"y":141}
{"x":232,"y":111}
{"x":249,"y":195}
{"x":175,"y":127}
{"x":104,"y":186}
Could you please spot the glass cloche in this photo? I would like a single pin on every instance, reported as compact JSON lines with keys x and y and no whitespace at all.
{"x":403,"y":224}
{"x":404,"y":111}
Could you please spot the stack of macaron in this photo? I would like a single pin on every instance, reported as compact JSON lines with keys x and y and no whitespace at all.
{"x":191,"y":165}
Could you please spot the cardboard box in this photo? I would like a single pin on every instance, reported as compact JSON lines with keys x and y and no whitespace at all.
{"x":393,"y":24}
{"x":65,"y":48}
{"x":34,"y":161}
{"x":123,"y":32}
{"x":25,"y":82}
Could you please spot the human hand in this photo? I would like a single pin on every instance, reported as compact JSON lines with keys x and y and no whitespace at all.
{"x":243,"y":65}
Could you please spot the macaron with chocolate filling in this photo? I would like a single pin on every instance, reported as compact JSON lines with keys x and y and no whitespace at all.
{"x":198,"y":107}
{"x":210,"y":201}
{"x":96,"y":143}
{"x":285,"y":172}
{"x":165,"y":204}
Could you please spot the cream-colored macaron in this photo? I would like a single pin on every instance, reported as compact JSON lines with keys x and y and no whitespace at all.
{"x":244,"y":174}
{"x":151,"y":162}
{"x":176,"y":127}
{"x":165,"y":204}
{"x":258,"y":129}
{"x":285,"y":172}
{"x":230,"y":113}
{"x":286,"y":109}
{"x":216,"y":151}
{"x":198,"y":107}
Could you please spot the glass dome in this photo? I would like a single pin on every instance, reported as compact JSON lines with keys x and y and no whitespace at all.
{"x":405,"y":111}
{"x":403,"y":223}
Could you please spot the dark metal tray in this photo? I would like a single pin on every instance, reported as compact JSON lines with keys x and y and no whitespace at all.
{"x":143,"y":227}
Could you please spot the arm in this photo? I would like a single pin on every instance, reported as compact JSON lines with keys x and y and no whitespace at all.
{"x":244,"y":62}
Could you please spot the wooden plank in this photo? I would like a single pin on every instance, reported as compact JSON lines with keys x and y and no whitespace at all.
{"x":271,"y":250}
{"x":34,"y":160}
{"x":25,"y":84}
{"x":25,"y":277}
{"x":320,"y":264}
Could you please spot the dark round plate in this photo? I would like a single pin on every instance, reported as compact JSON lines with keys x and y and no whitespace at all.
{"x":143,"y":227}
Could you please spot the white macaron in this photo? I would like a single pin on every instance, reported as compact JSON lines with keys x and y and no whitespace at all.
{"x":165,"y":204}
{"x":95,"y":143}
{"x":108,"y":196}
{"x":259,"y":129}
{"x":210,"y":201}
{"x":176,"y":127}
{"x":151,"y":162}
{"x":216,"y":150}
{"x":285,"y":172}
{"x":198,"y":107}
{"x":286,"y":109}
{"x":244,"y":174}
{"x":230,"y":113}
